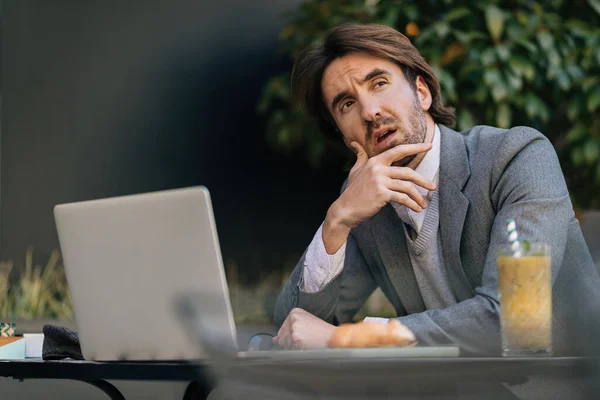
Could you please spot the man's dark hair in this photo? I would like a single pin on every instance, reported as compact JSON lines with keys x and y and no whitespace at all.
{"x":376,"y":40}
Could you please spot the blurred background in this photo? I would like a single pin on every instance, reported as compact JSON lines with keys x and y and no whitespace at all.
{"x":116,"y":97}
{"x":113,"y":98}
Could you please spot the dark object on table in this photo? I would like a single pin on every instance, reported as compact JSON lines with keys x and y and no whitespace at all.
{"x":60,"y":343}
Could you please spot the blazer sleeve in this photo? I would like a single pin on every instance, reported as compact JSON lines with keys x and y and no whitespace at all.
{"x":527,"y":184}
{"x":339,"y":300}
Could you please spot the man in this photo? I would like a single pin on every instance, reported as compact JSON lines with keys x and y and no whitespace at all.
{"x":424,"y":208}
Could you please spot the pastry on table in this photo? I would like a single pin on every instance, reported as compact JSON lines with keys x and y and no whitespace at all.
{"x":372,"y":334}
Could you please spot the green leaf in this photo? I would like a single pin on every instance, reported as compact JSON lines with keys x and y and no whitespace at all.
{"x":391,"y":17}
{"x":552,"y":20}
{"x":574,"y":108}
{"x":518,"y":101}
{"x":588,"y":82}
{"x":462,"y":37}
{"x":591,"y":151}
{"x":593,"y":100}
{"x":477,"y":35}
{"x":457,"y":13}
{"x":569,"y":43}
{"x":535,"y":107}
{"x":575,"y":71}
{"x":595,"y":4}
{"x":514,"y":80}
{"x":442,"y":28}
{"x":492,"y":76}
{"x":503,"y":52}
{"x":499,"y":92}
{"x":554,"y":57}
{"x":546,"y":40}
{"x":465,"y":120}
{"x":578,"y":27}
{"x":503,"y":116}
{"x":425,"y":37}
{"x":522,"y":66}
{"x":552,"y":72}
{"x":264,"y":104}
{"x":448,"y":84}
{"x":563,"y":80}
{"x":283,"y":137}
{"x":467,"y":69}
{"x":528,"y":45}
{"x":522,"y":18}
{"x":481,"y":93}
{"x":577,"y":156}
{"x":515,"y":32}
{"x":488,"y":57}
{"x":576,"y":133}
{"x":494,"y":19}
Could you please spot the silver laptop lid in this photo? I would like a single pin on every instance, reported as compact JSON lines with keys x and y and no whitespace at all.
{"x":127,"y":259}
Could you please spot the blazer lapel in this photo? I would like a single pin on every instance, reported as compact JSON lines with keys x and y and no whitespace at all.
{"x":454,"y":173}
{"x":388,"y":234}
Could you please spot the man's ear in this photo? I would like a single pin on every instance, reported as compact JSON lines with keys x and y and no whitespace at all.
{"x":423,"y":93}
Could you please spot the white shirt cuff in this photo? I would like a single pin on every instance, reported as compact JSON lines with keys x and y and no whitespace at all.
{"x":377,"y":319}
{"x":321,"y":268}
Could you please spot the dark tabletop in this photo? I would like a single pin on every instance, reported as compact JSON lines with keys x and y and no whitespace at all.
{"x":462,"y":368}
{"x":91,"y":370}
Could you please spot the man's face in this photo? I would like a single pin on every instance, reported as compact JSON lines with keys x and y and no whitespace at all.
{"x":373,"y":104}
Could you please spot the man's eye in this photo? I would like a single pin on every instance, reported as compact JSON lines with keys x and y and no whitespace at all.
{"x":347,"y":104}
{"x":380,"y":84}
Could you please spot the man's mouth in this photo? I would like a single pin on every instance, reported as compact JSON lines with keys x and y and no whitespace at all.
{"x":385,"y":135}
{"x":384,"y":138}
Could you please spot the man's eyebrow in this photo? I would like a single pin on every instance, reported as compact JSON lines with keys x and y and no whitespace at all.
{"x":339,"y":97}
{"x":375,"y":73}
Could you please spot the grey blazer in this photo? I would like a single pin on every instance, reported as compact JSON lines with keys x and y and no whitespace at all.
{"x":487,"y":175}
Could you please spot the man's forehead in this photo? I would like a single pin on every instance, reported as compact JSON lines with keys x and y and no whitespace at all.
{"x":354,"y":66}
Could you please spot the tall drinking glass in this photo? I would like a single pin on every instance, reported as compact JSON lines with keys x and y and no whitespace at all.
{"x":525,"y":289}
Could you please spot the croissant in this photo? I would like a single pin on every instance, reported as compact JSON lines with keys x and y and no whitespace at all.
{"x":372,"y":334}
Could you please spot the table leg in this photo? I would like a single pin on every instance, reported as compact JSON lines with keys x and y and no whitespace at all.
{"x":107,"y":388}
{"x":197,"y":391}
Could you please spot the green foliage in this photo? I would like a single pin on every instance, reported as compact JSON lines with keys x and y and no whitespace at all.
{"x":43,"y":293}
{"x":37,"y":292}
{"x":499,"y":63}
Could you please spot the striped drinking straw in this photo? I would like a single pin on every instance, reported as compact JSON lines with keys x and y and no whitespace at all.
{"x":513,"y":237}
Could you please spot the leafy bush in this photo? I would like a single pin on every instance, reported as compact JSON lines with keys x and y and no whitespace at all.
{"x":43,"y":292}
{"x":501,"y":63}
{"x":37,"y":292}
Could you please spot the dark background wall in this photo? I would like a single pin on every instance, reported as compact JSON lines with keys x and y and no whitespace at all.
{"x":105,"y":98}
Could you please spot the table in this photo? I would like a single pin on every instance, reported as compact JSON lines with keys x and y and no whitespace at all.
{"x":304,"y":374}
{"x":412,"y":377}
{"x":98,"y":373}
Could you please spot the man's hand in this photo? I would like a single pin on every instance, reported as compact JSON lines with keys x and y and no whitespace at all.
{"x":302,"y":330}
{"x":372,"y":183}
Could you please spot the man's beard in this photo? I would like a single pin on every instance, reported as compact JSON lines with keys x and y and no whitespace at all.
{"x":414,"y":131}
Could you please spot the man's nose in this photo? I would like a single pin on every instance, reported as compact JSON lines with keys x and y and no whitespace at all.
{"x":371,"y":110}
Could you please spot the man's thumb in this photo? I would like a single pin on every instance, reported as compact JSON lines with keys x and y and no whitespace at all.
{"x":361,"y":155}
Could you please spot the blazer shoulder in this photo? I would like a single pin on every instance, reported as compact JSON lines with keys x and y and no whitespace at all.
{"x":492,"y":136}
{"x":502,"y":145}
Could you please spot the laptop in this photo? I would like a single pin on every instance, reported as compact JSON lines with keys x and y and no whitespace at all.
{"x":138,"y":266}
